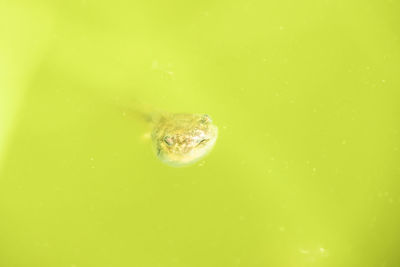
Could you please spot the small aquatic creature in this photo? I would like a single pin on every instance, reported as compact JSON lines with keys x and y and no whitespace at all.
{"x":178,"y":139}
{"x":181,"y":139}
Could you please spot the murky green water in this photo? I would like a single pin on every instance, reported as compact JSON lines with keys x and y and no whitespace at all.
{"x":306,"y":168}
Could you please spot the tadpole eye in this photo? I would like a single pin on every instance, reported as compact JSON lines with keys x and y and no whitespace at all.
{"x":203,"y":141}
{"x":205,"y":118}
{"x":168,"y":140}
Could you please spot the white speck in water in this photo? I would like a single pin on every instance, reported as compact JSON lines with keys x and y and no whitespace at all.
{"x":344,"y":142}
{"x":282,"y":229}
{"x":383,"y":81}
{"x":304,"y":251}
{"x":314,"y":254}
{"x":155,"y":65}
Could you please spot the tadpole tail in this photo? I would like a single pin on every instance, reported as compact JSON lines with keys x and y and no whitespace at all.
{"x":137,"y":110}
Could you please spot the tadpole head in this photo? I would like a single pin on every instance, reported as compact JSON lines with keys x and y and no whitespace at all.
{"x":183,"y":139}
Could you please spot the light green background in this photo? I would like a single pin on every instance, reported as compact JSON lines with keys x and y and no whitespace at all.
{"x":306,"y":168}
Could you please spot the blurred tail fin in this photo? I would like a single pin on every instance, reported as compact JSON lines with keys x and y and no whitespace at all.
{"x":136,"y":109}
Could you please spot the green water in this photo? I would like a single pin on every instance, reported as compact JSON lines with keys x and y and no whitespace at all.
{"x":305,"y":171}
